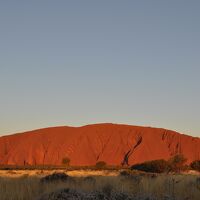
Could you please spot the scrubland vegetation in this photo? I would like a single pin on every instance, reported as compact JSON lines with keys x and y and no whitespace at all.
{"x":152,"y":180}
{"x":175,"y":164}
{"x":127,"y":185}
{"x":195,"y":165}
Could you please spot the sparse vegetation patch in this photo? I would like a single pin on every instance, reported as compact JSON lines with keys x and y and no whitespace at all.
{"x":195,"y":165}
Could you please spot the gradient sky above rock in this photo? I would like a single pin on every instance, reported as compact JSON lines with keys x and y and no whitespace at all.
{"x":82,"y":62}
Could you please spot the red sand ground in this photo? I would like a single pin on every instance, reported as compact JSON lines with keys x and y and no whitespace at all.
{"x":87,"y":145}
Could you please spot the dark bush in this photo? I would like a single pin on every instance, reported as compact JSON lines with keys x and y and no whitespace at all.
{"x":130,"y":172}
{"x":100,"y":165}
{"x":195,"y":165}
{"x":177,"y":163}
{"x":155,"y":166}
{"x":55,"y":177}
{"x":124,"y":173}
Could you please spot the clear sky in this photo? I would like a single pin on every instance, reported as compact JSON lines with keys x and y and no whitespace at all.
{"x":82,"y":62}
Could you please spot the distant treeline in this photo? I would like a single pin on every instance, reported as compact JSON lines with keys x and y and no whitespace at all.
{"x":176,"y":163}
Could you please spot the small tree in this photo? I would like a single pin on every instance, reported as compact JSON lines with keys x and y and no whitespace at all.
{"x":195,"y":165}
{"x":100,"y":164}
{"x":177,"y":163}
{"x":66,"y":161}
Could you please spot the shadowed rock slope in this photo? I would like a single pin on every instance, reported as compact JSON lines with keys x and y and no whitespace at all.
{"x":114,"y":144}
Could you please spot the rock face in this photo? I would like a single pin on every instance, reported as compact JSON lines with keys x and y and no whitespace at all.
{"x":85,"y":146}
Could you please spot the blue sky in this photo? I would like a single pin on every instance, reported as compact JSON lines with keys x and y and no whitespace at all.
{"x":81,"y":62}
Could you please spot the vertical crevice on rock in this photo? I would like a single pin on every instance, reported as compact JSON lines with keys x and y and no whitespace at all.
{"x":130,"y":152}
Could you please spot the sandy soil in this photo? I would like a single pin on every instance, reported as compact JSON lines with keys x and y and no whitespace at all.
{"x":41,"y":173}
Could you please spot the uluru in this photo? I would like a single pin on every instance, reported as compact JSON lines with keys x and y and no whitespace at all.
{"x":112,"y":143}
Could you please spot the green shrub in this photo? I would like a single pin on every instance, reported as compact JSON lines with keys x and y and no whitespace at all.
{"x":155,"y":166}
{"x":195,"y":165}
{"x":66,"y":161}
{"x":100,"y":165}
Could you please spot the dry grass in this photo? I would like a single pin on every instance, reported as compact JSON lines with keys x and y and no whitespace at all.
{"x":175,"y":187}
{"x":41,"y":173}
